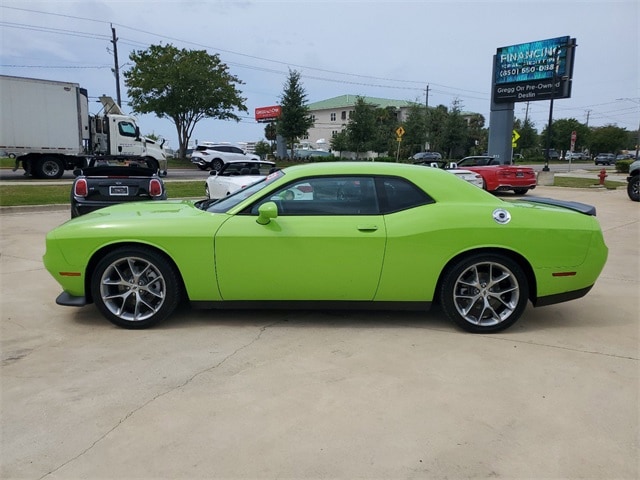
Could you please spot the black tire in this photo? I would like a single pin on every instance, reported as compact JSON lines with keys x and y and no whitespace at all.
{"x":217,"y":164}
{"x":48,"y":168}
{"x":484,"y":293}
{"x":135,"y":287}
{"x":520,"y":191}
{"x":633,"y":188}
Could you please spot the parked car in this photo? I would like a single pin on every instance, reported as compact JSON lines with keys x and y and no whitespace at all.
{"x":466,"y":175}
{"x":212,"y":156}
{"x":605,"y":159}
{"x":234,"y":175}
{"x":633,"y":181}
{"x":575,"y":156}
{"x":625,"y":156}
{"x":553,"y":154}
{"x":364,"y":235}
{"x":106,"y":182}
{"x":426,"y":157}
{"x":498,"y":177}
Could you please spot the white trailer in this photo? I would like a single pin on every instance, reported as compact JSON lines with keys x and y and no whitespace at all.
{"x":47,"y":127}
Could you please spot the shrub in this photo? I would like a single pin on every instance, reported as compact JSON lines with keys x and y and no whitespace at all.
{"x":622,"y":166}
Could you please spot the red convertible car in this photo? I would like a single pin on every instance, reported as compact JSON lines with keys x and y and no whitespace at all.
{"x":499,"y":177}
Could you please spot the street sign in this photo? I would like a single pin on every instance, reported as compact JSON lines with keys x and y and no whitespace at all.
{"x":515,"y":136}
{"x":400,"y":131}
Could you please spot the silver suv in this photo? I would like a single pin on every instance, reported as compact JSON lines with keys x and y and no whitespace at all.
{"x":213,"y":156}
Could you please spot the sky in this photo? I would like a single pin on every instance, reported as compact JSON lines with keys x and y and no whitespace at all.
{"x":384,"y":49}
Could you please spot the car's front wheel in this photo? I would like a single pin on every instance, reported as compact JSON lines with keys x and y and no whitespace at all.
{"x":484,"y":293}
{"x":633,"y":188}
{"x":135,"y":287}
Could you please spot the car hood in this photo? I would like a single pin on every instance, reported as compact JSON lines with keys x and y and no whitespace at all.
{"x":136,"y":220}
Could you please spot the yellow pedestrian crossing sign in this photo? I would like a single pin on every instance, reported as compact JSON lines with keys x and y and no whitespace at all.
{"x":515,"y":136}
{"x":400,"y":131}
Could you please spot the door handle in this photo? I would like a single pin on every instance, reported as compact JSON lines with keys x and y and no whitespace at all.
{"x":367,"y":228}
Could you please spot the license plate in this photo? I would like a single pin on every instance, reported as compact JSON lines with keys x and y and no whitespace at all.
{"x":519,"y":174}
{"x":119,"y":190}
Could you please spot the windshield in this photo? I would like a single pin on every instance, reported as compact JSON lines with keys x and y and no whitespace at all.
{"x":225,"y":204}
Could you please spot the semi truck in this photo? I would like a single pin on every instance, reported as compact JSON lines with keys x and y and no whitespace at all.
{"x":47,"y":127}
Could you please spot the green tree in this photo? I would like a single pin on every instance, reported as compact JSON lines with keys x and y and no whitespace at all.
{"x":361,"y":127}
{"x":477,"y":140}
{"x":262,"y":148}
{"x":561,"y":134}
{"x":184,"y":86}
{"x":339,"y":142}
{"x":437,"y":119}
{"x":415,"y":130}
{"x":386,"y":123}
{"x":608,"y":139}
{"x":455,"y":132}
{"x":528,"y":141}
{"x":295,"y":119}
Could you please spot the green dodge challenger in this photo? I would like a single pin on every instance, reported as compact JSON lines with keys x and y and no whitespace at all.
{"x":332,"y":235}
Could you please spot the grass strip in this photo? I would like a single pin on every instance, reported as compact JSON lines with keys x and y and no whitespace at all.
{"x":13,"y":195}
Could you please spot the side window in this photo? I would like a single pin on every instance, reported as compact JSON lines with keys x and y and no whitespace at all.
{"x":399,"y":194}
{"x":127,"y":129}
{"x":333,"y":117}
{"x":325,"y":196}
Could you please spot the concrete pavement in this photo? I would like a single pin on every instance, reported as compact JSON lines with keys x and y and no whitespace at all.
{"x":314,"y":394}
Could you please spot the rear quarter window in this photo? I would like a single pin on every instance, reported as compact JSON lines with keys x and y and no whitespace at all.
{"x":399,"y":194}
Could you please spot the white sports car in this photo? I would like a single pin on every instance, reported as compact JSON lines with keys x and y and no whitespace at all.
{"x":235,"y":175}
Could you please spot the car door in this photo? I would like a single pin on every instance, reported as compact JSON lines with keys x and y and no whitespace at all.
{"x":327,"y":243}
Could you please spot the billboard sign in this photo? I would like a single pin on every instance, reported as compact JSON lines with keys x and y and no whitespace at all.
{"x":267,"y":114}
{"x":534,"y":71}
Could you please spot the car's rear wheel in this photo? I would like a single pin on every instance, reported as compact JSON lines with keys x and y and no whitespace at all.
{"x":217,"y":164}
{"x":135,"y":287}
{"x":484,"y":293}
{"x":633,"y":188}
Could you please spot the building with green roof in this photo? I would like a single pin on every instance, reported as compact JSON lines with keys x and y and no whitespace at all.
{"x":332,"y":115}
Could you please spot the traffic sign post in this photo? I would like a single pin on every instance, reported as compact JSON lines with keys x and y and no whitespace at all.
{"x":399,"y":133}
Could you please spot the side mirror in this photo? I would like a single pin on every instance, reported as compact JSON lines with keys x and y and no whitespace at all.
{"x":213,"y":172}
{"x":266,"y":212}
{"x":77,"y":172}
{"x":453,"y":165}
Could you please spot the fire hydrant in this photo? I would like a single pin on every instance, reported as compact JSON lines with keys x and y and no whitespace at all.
{"x":602,"y":175}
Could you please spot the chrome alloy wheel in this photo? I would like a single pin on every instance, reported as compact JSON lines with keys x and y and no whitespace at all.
{"x":486,"y":294}
{"x":132,"y":289}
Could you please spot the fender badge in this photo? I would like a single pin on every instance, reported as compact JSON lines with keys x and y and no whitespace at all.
{"x":501,"y":216}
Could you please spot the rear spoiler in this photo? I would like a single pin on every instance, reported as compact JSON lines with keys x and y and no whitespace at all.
{"x":575,"y":206}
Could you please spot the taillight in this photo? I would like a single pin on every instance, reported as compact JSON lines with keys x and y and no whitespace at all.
{"x":80,"y":188}
{"x":155,"y":187}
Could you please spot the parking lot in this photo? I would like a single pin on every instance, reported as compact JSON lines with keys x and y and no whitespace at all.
{"x":318,"y":394}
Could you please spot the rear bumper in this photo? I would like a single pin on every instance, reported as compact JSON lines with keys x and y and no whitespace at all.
{"x":561,"y":297}
{"x":510,"y":186}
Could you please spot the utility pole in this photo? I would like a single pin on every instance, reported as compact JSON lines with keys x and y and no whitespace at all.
{"x":116,"y":68}
{"x":426,"y":117}
{"x":588,"y":113}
